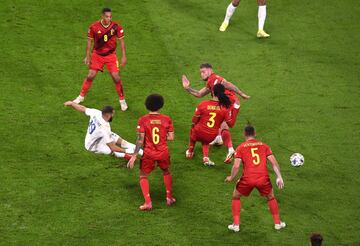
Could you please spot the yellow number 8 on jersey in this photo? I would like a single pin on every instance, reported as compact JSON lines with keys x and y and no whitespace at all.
{"x":211,"y":121}
{"x":155,"y":135}
{"x":105,"y":38}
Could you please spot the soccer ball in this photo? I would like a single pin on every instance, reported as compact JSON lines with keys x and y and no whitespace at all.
{"x":297,"y":160}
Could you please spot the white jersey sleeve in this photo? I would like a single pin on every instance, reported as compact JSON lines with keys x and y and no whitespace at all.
{"x":91,"y":111}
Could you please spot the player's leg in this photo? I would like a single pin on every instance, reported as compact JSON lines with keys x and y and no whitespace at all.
{"x":164,"y":165}
{"x":261,"y":19}
{"x":119,"y":89}
{"x":192,"y":141}
{"x":86,"y":86}
{"x":206,"y":159}
{"x":218,"y":139}
{"x":274,"y":210}
{"x":129,"y":147}
{"x":236,"y":210}
{"x":229,"y":12}
{"x":146,"y":167}
{"x":226,"y":136}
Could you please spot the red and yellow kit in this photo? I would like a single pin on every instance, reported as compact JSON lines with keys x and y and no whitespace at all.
{"x":156,"y":128}
{"x":216,"y":79}
{"x":253,"y":154}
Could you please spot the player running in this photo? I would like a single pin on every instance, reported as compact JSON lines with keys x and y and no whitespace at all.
{"x":254,"y":154}
{"x":261,"y":17}
{"x":103,"y":34}
{"x":99,"y":137}
{"x":207,"y":120}
{"x":208,"y":75}
{"x":154,"y":130}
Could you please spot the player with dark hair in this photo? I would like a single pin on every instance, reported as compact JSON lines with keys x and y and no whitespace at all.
{"x":254,"y":155}
{"x":261,"y":17}
{"x":104,"y":34}
{"x":207,"y":120}
{"x":99,"y":137}
{"x":316,"y":239}
{"x":154,"y":130}
{"x":208,"y":75}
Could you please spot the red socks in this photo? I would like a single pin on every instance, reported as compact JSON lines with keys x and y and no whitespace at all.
{"x":119,"y":89}
{"x":85,"y":87}
{"x":205,"y":149}
{"x":144,"y":184}
{"x":168,"y":185}
{"x":225,"y":134}
{"x":273,"y":206}
{"x":236,"y":206}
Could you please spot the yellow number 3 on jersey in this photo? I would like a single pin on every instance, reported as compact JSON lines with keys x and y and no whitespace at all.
{"x":211,"y":121}
{"x":155,"y":135}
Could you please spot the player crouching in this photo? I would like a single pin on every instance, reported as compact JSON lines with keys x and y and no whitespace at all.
{"x":254,"y":155}
{"x":154,"y":130}
{"x":207,"y":120}
{"x":99,"y":137}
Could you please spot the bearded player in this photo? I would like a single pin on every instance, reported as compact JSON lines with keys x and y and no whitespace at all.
{"x":208,"y":75}
{"x":207,"y":120}
{"x":254,"y":155}
{"x":261,"y":17}
{"x":99,"y":137}
{"x":154,"y":130}
{"x":104,"y":34}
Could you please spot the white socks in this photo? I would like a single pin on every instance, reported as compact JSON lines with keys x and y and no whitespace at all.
{"x":229,"y":12}
{"x":119,"y":154}
{"x":261,"y":17}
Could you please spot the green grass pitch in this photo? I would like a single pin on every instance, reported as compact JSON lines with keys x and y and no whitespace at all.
{"x":304,"y":83}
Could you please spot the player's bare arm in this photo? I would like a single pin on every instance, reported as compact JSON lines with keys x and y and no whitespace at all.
{"x":88,"y":49}
{"x":234,"y":170}
{"x":170,"y":136}
{"x":115,"y":148}
{"x":276,"y":168}
{"x":123,"y":52}
{"x":76,"y":106}
{"x":197,"y":93}
{"x":139,"y":144}
{"x":234,"y":88}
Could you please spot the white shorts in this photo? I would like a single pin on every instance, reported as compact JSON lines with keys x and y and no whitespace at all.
{"x":102,"y":147}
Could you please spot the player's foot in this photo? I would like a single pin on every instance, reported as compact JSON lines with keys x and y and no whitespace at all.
{"x":280,"y":226}
{"x":229,"y":156}
{"x":262,"y":34}
{"x":170,"y":201}
{"x":123,"y":105}
{"x":217,"y":141}
{"x":223,"y":26}
{"x":208,"y":162}
{"x":146,"y":206}
{"x":233,"y":227}
{"x":79,"y":99}
{"x":189,"y":154}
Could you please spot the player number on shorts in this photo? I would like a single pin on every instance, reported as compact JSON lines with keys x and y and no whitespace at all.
{"x":155,"y":135}
{"x":211,"y":121}
{"x":105,"y":38}
{"x":256,"y":157}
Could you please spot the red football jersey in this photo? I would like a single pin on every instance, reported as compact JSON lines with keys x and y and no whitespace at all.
{"x":105,"y":37}
{"x":156,"y":128}
{"x":253,"y":154}
{"x":209,"y":115}
{"x":216,"y":79}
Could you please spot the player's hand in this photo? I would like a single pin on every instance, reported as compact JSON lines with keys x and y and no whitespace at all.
{"x":68,"y":103}
{"x":280,"y":182}
{"x":228,"y":179}
{"x":123,"y":61}
{"x":246,"y":97}
{"x":185,"y":82}
{"x":87,"y":60}
{"x":131,"y":162}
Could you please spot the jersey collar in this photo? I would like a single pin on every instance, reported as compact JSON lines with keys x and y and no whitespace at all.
{"x":101,"y":22}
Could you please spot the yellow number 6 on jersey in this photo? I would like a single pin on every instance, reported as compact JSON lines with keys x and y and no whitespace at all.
{"x":256,"y":160}
{"x":211,"y":121}
{"x":155,"y":135}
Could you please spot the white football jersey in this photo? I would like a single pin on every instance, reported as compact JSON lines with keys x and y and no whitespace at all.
{"x":98,"y":130}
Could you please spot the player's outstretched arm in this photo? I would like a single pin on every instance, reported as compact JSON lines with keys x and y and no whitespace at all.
{"x":186,"y":84}
{"x":115,"y":148}
{"x":230,"y":86}
{"x":276,"y":168}
{"x":234,"y":170}
{"x":76,"y":106}
{"x":170,"y":136}
{"x":139,"y":145}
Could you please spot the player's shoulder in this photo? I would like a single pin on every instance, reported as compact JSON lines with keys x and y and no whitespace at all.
{"x":215,"y":78}
{"x":95,"y":24}
{"x":165,"y":117}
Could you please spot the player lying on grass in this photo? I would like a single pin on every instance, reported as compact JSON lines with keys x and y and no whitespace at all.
{"x":154,"y":130}
{"x":207,"y":120}
{"x":104,"y":35}
{"x":261,"y":17}
{"x":99,"y":137}
{"x":254,"y":155}
{"x":208,"y":75}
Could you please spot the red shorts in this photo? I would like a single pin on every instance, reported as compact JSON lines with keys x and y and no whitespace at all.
{"x":245,"y":185}
{"x":97,"y":62}
{"x":197,"y":135}
{"x":147,"y":164}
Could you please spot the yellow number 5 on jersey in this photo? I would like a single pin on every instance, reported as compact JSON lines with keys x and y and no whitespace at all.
{"x":256,"y":160}
{"x":211,"y":121}
{"x":155,"y":135}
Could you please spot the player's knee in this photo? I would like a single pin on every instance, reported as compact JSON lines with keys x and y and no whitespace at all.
{"x":235,"y":3}
{"x":270,"y":196}
{"x":236,"y":195}
{"x":261,"y":2}
{"x":116,"y":77}
{"x":166,"y":171}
